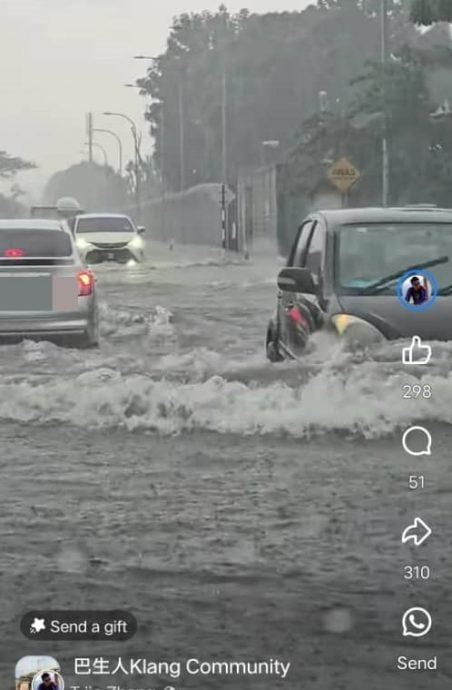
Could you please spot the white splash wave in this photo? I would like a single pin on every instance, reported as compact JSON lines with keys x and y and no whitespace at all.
{"x":119,"y":323}
{"x":358,"y":401}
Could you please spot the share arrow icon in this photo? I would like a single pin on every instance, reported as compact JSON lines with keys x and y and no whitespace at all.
{"x":417,"y":532}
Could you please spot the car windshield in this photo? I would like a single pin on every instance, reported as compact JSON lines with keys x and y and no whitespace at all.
{"x":104,"y":225}
{"x":367,"y":253}
{"x":22,"y":243}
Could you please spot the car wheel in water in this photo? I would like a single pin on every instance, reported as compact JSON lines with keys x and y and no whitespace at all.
{"x":273,"y":353}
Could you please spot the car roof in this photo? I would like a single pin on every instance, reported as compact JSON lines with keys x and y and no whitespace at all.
{"x":32,"y":224}
{"x":403,"y":214}
{"x":102,"y":215}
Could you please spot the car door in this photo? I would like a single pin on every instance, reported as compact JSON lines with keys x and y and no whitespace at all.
{"x":287,"y":300}
{"x":315,"y":261}
{"x":304,"y":312}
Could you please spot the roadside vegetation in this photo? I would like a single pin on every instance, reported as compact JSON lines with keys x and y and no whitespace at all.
{"x":312,"y":81}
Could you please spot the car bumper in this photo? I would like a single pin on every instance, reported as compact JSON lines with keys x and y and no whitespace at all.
{"x":35,"y":327}
{"x":121,"y":255}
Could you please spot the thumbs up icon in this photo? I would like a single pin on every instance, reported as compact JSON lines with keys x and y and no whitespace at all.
{"x":417,"y":352}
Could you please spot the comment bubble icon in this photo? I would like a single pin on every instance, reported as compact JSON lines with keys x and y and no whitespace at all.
{"x":417,"y":441}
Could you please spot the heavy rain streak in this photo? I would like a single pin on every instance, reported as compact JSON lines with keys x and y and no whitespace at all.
{"x":191,"y":439}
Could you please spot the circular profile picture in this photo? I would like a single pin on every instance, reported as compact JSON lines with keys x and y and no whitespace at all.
{"x":47,"y":680}
{"x":417,"y":290}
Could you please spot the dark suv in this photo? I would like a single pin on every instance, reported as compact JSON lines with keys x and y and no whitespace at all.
{"x":342,"y":274}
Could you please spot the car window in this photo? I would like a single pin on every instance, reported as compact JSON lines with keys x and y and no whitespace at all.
{"x":71,"y":222}
{"x":299,"y":249}
{"x":314,"y":256}
{"x":20,"y":243}
{"x":367,"y":252}
{"x":104,"y":225}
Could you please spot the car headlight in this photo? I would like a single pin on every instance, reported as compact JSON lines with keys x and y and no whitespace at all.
{"x":356,"y":331}
{"x":136,"y":242}
{"x":81,"y":243}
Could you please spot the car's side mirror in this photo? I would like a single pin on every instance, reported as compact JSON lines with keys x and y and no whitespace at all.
{"x":294,"y":279}
{"x":141,"y":229}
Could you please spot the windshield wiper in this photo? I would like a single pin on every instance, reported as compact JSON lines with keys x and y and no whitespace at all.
{"x":445,"y":290}
{"x":381,"y":283}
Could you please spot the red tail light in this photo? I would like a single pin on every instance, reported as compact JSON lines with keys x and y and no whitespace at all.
{"x":13,"y":252}
{"x":296,"y":316}
{"x":85,"y":281}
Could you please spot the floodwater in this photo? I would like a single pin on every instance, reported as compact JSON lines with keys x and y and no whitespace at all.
{"x":243,"y":511}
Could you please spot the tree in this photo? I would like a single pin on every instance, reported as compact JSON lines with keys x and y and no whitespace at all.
{"x":428,"y":12}
{"x":187,"y":76}
{"x":10,"y":206}
{"x":275,"y":66}
{"x":11,"y":165}
{"x":96,"y":187}
{"x":420,"y":147}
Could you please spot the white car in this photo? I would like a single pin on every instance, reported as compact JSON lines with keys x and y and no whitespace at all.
{"x":108,"y":237}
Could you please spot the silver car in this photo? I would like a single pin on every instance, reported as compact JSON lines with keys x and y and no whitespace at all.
{"x":46,"y":292}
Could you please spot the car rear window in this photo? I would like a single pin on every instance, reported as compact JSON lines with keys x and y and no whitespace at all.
{"x":104,"y":225}
{"x":23,"y":244}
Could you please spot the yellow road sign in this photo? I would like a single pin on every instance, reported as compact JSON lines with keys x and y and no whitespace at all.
{"x":343,"y":174}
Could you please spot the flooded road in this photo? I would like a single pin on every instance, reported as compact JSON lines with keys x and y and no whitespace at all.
{"x":241,"y":510}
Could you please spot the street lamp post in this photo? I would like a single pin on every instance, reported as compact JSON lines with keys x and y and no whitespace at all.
{"x":137,"y":156}
{"x":224,"y":96}
{"x":113,"y":134}
{"x":89,"y":144}
{"x":384,"y":139}
{"x":180,"y":98}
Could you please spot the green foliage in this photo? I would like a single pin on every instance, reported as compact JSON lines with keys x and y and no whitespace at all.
{"x":95,"y":187}
{"x":10,"y":206}
{"x":420,"y":148}
{"x":427,"y":12}
{"x":11,"y":165}
{"x":275,"y":66}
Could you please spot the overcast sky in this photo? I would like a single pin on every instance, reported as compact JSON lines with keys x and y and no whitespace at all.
{"x":62,"y":58}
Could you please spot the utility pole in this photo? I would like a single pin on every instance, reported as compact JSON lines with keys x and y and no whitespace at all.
{"x":224,"y":95}
{"x":384,"y":139}
{"x":137,"y":163}
{"x":224,"y":155}
{"x":163,"y":169}
{"x":119,"y":142}
{"x":180,"y":87}
{"x":137,"y":171}
{"x":89,"y":131}
{"x":162,"y":151}
{"x":102,"y":149}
